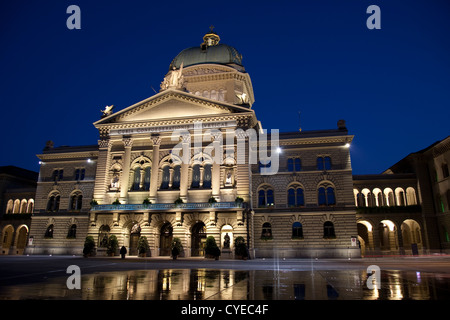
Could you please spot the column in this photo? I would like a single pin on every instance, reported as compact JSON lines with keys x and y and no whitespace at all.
{"x":243,"y":173}
{"x":202,"y":171}
{"x":217,"y":161}
{"x":170,"y":177}
{"x":103,"y":163}
{"x":128,"y":143}
{"x":155,"y":168}
{"x":184,"y":174}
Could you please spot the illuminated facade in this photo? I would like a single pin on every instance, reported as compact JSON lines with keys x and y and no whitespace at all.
{"x":17,"y":194}
{"x":140,"y":180}
{"x":171,"y":166}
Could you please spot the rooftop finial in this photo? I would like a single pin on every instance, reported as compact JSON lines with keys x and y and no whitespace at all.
{"x":211,"y":38}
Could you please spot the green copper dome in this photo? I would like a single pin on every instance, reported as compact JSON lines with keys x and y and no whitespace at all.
{"x":210,"y":51}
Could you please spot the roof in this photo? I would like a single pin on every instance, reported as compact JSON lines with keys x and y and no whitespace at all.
{"x":19,"y":172}
{"x":216,"y":54}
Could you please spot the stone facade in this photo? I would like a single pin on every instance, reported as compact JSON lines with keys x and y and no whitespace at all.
{"x":17,"y":201}
{"x":171,"y":166}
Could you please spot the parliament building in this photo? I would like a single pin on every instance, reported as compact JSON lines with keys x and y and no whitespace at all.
{"x":185,"y":163}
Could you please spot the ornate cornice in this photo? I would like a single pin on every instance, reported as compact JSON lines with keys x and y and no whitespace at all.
{"x":242,"y":119}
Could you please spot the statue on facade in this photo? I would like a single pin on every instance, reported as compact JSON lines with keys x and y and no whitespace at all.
{"x":228,"y":178}
{"x":243,"y":98}
{"x":115,"y":181}
{"x":226,"y":242}
{"x":107,"y":111}
{"x":174,"y":79}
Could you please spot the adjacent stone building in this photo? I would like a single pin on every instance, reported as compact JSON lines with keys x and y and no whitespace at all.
{"x":17,"y":202}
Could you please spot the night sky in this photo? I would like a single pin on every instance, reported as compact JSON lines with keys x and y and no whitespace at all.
{"x":318,"y":57}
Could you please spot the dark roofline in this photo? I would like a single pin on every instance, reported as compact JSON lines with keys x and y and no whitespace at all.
{"x":313,"y":133}
{"x":422,"y":151}
{"x":362,"y":177}
{"x":19,"y":172}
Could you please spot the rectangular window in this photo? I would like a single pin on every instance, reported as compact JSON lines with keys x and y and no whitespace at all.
{"x":290,"y":164}
{"x":298,"y":164}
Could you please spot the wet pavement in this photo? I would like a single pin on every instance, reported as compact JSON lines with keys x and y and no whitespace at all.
{"x":114,"y":279}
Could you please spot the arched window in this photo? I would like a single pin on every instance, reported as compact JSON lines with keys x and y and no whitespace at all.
{"x":296,"y":197}
{"x":79,"y":174}
{"x":147,"y":176}
{"x":30,"y":206}
{"x":195,"y":176}
{"x":207,"y":176}
{"x":165,"y":177}
{"x":261,"y":198}
{"x":270,"y":197}
{"x":323,"y":163}
{"x":266,"y":231}
{"x":176,"y":177}
{"x":103,"y":236}
{"x":53,"y":202}
{"x":72,"y":233}
{"x":291,"y":197}
{"x":266,"y":197}
{"x":49,"y":232}
{"x":322,"y":197}
{"x":9,"y":207}
{"x":76,"y":201}
{"x":326,"y":196}
{"x":411,"y":196}
{"x":16,"y":208}
{"x":297,"y":230}
{"x":23,"y":206}
{"x":331,"y":199}
{"x":328,"y":230}
{"x":221,"y":96}
{"x":136,"y":179}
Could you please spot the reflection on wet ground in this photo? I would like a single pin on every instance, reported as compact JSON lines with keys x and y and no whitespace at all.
{"x":199,"y":284}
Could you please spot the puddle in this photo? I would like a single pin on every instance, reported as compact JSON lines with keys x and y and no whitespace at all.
{"x":213,"y":284}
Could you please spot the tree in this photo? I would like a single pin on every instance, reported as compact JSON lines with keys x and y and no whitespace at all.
{"x":143,"y":245}
{"x":177,"y":247}
{"x":112,"y":246}
{"x":211,"y":248}
{"x":89,"y":245}
{"x":240,"y":248}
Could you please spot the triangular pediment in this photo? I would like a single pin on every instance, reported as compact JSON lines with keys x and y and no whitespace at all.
{"x":171,"y":104}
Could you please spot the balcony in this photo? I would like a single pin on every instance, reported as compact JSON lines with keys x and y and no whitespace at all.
{"x":166,"y":206}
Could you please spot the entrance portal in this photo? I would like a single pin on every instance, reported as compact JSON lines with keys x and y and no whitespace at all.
{"x":135,"y":233}
{"x":198,"y":239}
{"x":165,"y":240}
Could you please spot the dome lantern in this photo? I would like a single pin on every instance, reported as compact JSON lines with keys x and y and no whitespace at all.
{"x":210,"y":39}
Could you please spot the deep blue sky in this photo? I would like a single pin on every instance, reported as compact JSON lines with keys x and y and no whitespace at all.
{"x":391,"y":85}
